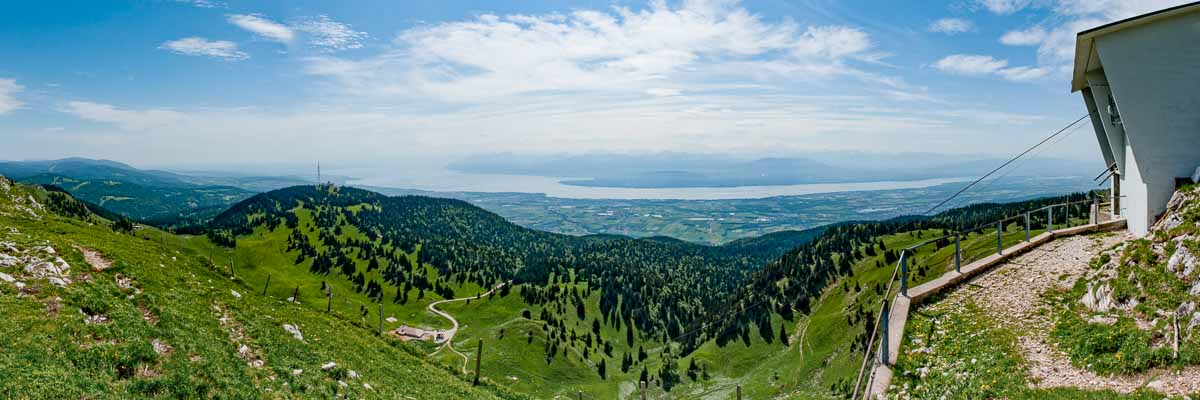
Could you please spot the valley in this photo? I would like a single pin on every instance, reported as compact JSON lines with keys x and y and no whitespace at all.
{"x":559,"y":314}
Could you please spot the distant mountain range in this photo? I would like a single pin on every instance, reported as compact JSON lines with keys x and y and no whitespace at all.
{"x":151,"y":196}
{"x":679,"y":170}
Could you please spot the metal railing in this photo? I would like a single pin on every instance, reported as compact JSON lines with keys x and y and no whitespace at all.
{"x":969,"y":245}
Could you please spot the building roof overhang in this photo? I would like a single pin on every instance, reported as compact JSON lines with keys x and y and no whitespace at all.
{"x":1086,"y":58}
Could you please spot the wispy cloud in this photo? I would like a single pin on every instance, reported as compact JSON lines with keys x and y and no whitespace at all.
{"x":329,"y":34}
{"x":1024,"y":37}
{"x":132,"y":120}
{"x":198,"y":46}
{"x":204,"y":3}
{"x":951,"y":26}
{"x":1004,"y":7}
{"x":624,"y":50}
{"x":263,"y":27}
{"x":982,"y":65}
{"x":1054,"y":36}
{"x":8,"y":99}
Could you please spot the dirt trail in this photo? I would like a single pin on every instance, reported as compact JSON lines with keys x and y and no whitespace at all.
{"x":449,"y":342}
{"x":1013,"y":293}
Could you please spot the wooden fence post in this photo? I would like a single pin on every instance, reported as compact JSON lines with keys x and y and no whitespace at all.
{"x":957,"y":253}
{"x":267,"y":285}
{"x":296,"y":295}
{"x":478,"y":361}
{"x":1050,"y":219}
{"x":1000,"y":237}
{"x":739,"y":391}
{"x":328,"y":300}
{"x":643,"y":390}
{"x":381,"y":318}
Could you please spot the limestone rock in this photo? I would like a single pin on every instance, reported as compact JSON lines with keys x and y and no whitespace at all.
{"x":292,"y":329}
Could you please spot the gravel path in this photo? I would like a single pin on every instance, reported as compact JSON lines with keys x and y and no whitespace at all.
{"x":1012,"y":292}
{"x":449,"y":343}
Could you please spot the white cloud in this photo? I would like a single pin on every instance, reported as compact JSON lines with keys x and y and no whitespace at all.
{"x":263,"y":27}
{"x":327,"y":33}
{"x":624,"y":50}
{"x":951,"y":26}
{"x":197,"y":46}
{"x":1023,"y":74}
{"x":8,"y":100}
{"x":204,"y":3}
{"x":731,"y":124}
{"x":1055,"y":35}
{"x":132,"y":120}
{"x":1005,"y":7}
{"x":1025,"y":37}
{"x":663,"y":92}
{"x":981,"y":65}
{"x":831,"y":42}
{"x":966,"y":64}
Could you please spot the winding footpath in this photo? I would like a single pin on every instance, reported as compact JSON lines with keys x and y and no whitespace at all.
{"x":448,"y":343}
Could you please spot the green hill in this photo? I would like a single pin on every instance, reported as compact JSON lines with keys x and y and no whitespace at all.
{"x":159,"y":198}
{"x":155,"y":205}
{"x":93,"y":312}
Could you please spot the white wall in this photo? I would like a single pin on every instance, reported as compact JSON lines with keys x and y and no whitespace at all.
{"x":1154,"y":74}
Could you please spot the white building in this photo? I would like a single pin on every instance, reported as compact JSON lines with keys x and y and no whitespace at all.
{"x":1140,"y":79}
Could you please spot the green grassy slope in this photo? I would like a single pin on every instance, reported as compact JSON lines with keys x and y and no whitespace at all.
{"x":819,"y":355}
{"x":161,"y":322}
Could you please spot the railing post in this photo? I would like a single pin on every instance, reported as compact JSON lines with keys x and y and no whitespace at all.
{"x":1050,"y":219}
{"x":1116,"y":193}
{"x":1026,"y":227}
{"x":957,"y":253}
{"x":1095,"y":210}
{"x":904,"y":273}
{"x":999,"y":237}
{"x":883,"y":333}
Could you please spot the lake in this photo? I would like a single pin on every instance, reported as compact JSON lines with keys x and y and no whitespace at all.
{"x":451,"y":181}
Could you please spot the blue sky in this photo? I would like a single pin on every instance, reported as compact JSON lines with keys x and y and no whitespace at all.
{"x":176,"y":83}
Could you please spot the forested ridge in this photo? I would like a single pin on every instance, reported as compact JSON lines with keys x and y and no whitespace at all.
{"x":658,"y":286}
{"x":790,"y":284}
{"x":653,"y":290}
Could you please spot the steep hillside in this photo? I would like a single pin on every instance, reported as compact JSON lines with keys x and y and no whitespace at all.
{"x":99,"y":310}
{"x":1136,"y":309}
{"x":157,"y":205}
